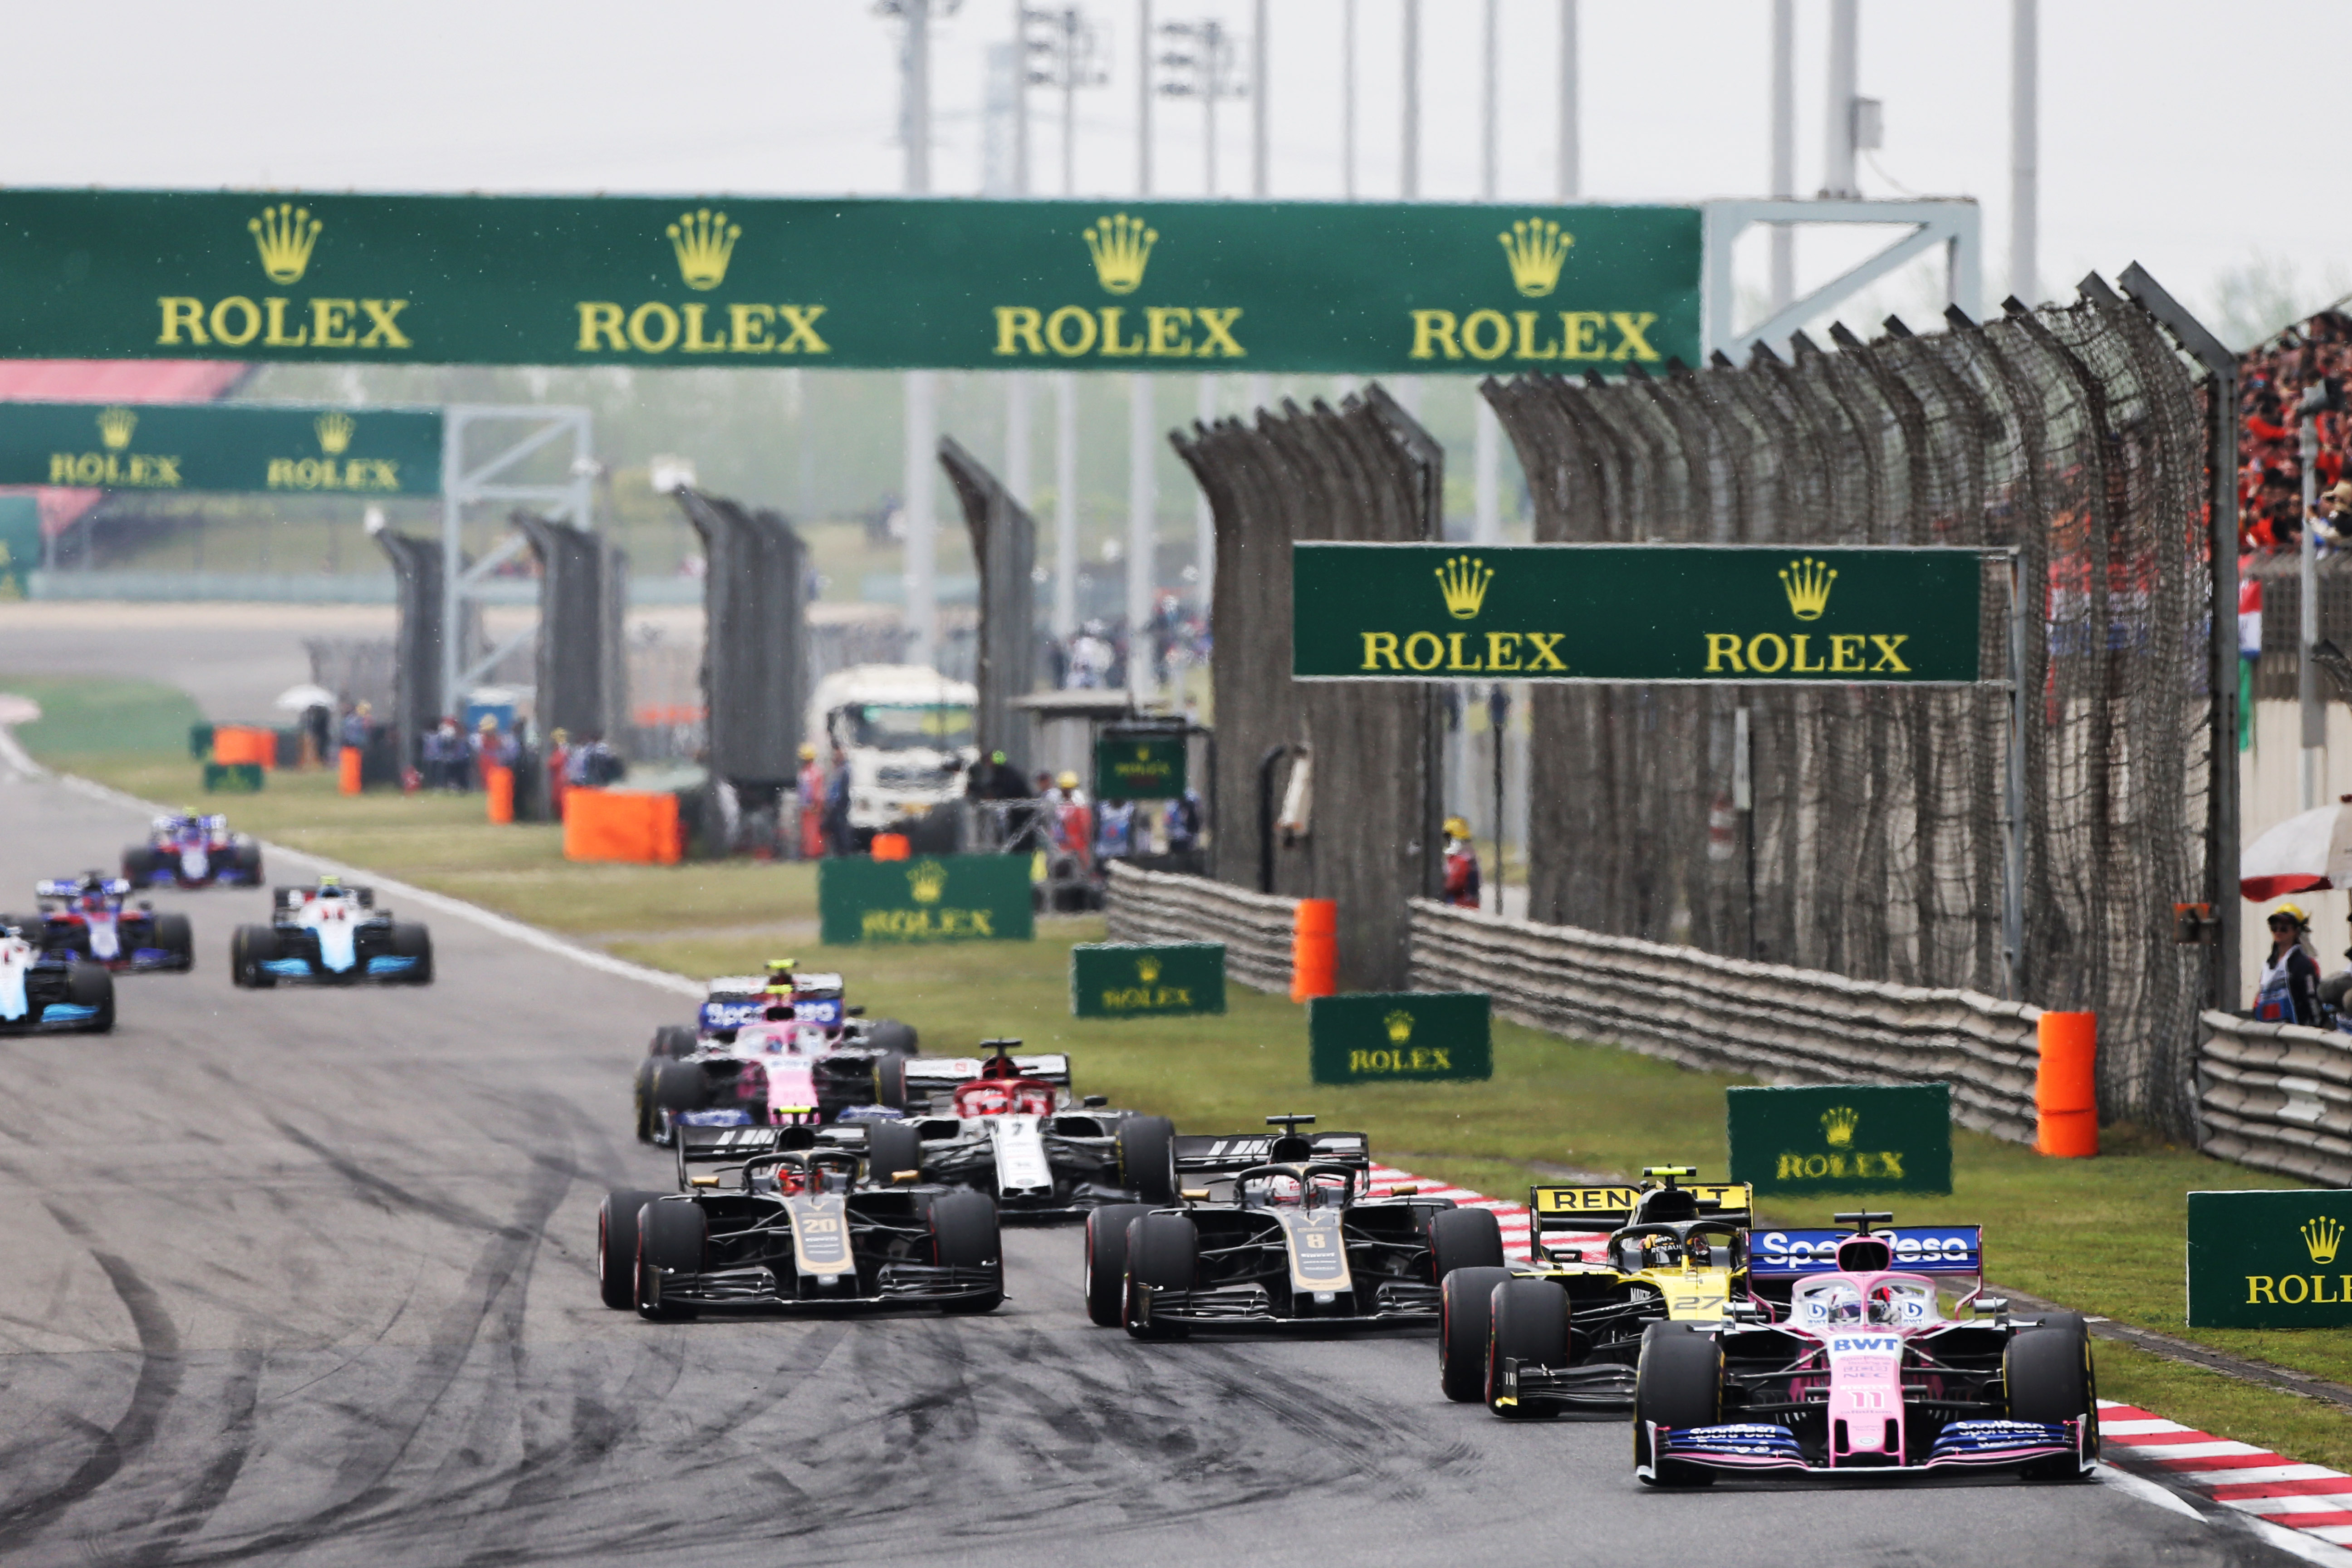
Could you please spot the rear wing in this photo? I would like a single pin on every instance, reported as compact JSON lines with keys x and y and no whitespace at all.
{"x":722,"y":1146}
{"x":1918,"y":1249}
{"x":67,"y":888}
{"x":1607,"y":1206}
{"x":1203,"y":1154}
{"x":945,"y":1075}
{"x":285,"y":898}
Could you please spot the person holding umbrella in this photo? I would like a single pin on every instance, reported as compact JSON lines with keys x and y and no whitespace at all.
{"x":2290,"y":988}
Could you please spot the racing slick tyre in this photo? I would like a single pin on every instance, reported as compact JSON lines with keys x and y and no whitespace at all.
{"x":92,"y":985}
{"x":679,"y":1085}
{"x":1146,"y":1158}
{"x":1464,"y":1238}
{"x":892,"y":1147}
{"x":673,"y":1040}
{"x":616,"y":1246}
{"x":1677,"y":1383}
{"x":138,"y":863}
{"x":1162,"y":1250}
{"x":889,"y":1035}
{"x":641,"y":1098}
{"x":1528,"y":1323}
{"x":964,"y":1236}
{"x":1106,"y":1261}
{"x":410,"y":939}
{"x":1466,"y":1317}
{"x":243,"y":855}
{"x":2047,"y":1371}
{"x":670,"y":1235}
{"x":890,"y":1081}
{"x":173,"y":935}
{"x":248,"y":949}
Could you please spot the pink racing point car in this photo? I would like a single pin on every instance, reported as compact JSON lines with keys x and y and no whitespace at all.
{"x":1860,"y":1367}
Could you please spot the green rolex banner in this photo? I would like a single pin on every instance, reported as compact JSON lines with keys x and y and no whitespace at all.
{"x":938,"y":898}
{"x":1744,"y":612}
{"x":1841,"y":1138}
{"x":240,"y":446}
{"x":2270,"y":1259}
{"x":1360,"y":288}
{"x":1134,"y":980}
{"x":1139,"y":766}
{"x":1399,"y":1036}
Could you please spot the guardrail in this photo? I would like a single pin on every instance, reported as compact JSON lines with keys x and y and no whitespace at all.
{"x":2277,"y":1097}
{"x":1160,"y":906}
{"x":1724,"y":1015}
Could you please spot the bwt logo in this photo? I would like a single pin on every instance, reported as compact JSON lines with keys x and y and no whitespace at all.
{"x":1865,"y":1344}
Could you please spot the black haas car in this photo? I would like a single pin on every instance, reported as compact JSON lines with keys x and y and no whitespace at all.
{"x":331,"y":934}
{"x":1281,"y":1237}
{"x":187,"y":851}
{"x":799,"y":1224}
{"x":90,"y":917}
{"x":50,"y":992}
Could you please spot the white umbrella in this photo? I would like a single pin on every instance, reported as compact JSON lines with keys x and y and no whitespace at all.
{"x":2301,"y":855}
{"x":298,"y":698}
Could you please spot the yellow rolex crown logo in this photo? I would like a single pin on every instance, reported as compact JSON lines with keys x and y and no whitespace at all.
{"x":703,"y":240}
{"x":1462,"y":580}
{"x":1535,"y":247}
{"x":1147,"y":970}
{"x":1807,"y":583}
{"x":1122,"y":246}
{"x":114,"y":427}
{"x":2321,"y":1236}
{"x":926,"y":880}
{"x":334,"y":431}
{"x":1838,"y":1125}
{"x":1400,"y":1025}
{"x":284,"y":235}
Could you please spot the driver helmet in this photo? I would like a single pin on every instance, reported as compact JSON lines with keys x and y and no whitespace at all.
{"x":1886,"y":1308}
{"x":1697,"y":1252}
{"x":1278,"y":1189}
{"x":331,"y":886}
{"x":791,"y":1180}
{"x":1661,"y":1252}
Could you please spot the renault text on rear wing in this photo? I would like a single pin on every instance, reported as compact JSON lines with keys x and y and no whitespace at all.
{"x":1240,"y":1150}
{"x":1917,"y":1248}
{"x":1607,"y":1206}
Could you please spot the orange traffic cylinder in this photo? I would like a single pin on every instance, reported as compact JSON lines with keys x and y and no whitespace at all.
{"x":1315,"y":948}
{"x":2066,"y":1086}
{"x":891,"y":847}
{"x":347,"y":770}
{"x":498,"y":788}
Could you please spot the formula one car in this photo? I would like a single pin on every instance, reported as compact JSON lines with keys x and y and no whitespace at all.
{"x":1562,"y":1332}
{"x":329,"y":934}
{"x":86,"y":916}
{"x":1008,"y":1126}
{"x":187,"y":850}
{"x":51,"y":993}
{"x":800,"y":1226}
{"x":1860,"y":1370}
{"x":1289,"y":1243}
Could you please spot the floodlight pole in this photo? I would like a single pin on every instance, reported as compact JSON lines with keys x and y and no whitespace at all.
{"x":1486,"y":450}
{"x":1141,"y":425}
{"x":1784,"y":148}
{"x":1016,"y":385}
{"x":1567,"y":174}
{"x":1837,"y":119}
{"x":921,"y":391}
{"x":2024,"y":150}
{"x":1348,"y":99}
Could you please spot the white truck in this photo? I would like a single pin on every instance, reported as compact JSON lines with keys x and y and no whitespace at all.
{"x":906,"y":731}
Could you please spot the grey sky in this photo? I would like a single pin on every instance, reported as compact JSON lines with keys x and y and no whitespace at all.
{"x":800,"y":96}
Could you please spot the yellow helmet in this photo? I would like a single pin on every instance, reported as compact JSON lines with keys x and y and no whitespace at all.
{"x":1068,"y":781}
{"x":808,"y":753}
{"x":1456,"y":828}
{"x":2294,"y":912}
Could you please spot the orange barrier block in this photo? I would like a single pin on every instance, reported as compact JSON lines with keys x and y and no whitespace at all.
{"x":891,"y":847}
{"x":498,"y":789}
{"x":347,"y":766}
{"x":234,"y":743}
{"x":1315,"y":948}
{"x":2066,"y":1086}
{"x":612,"y":824}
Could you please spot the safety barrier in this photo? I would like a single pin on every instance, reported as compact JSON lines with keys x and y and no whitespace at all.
{"x":1258,"y":931}
{"x":2277,"y":1097}
{"x":1726,"y":1015}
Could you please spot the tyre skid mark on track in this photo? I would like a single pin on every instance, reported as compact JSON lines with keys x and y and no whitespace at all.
{"x":196,"y":1503}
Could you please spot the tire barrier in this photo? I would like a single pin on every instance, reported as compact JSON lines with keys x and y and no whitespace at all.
{"x":1363,"y":471}
{"x":1781,"y":1025}
{"x":1155,"y":908}
{"x":2080,"y":437}
{"x":754,"y":652}
{"x":1005,"y":548}
{"x":584,"y":595}
{"x":2277,"y":1097}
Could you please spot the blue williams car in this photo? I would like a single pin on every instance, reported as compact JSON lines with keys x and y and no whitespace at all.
{"x":331,"y":934}
{"x":51,"y":993}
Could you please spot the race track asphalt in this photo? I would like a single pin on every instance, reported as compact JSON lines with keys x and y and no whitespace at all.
{"x":306,"y":1277}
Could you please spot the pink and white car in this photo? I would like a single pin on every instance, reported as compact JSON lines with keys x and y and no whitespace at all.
{"x":1861,"y":1366}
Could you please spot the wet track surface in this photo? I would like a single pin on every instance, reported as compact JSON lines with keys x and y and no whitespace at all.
{"x":304,"y":1276}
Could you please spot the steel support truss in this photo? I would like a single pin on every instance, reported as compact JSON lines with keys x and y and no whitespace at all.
{"x":1955,"y":224}
{"x":512,"y":436}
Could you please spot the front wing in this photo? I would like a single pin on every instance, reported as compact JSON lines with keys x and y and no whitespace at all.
{"x":1762,"y":1447}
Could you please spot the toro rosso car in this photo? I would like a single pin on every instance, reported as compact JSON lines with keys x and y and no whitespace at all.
{"x":794,"y":1227}
{"x":1561,"y":1333}
{"x":1007,"y":1125}
{"x":191,"y":851}
{"x":87,"y":917}
{"x":329,"y":934}
{"x":1280,"y":1236}
{"x":50,"y":992}
{"x":1858,"y":1368}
